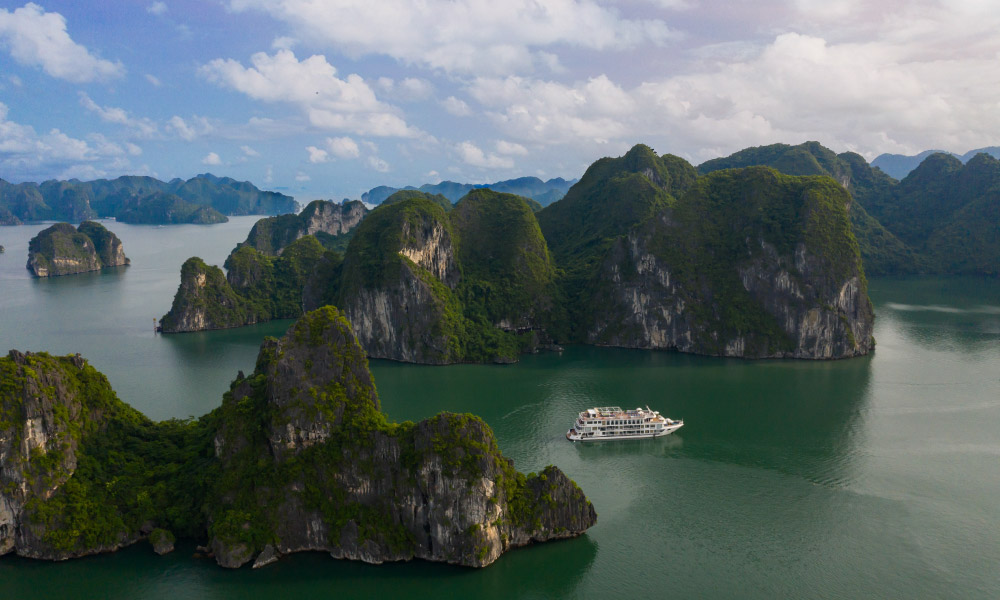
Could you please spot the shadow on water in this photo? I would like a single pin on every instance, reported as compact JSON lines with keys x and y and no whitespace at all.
{"x":554,"y":569}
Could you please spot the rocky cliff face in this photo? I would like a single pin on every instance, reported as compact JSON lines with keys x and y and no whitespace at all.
{"x":335,"y":476}
{"x":320,"y":218}
{"x":330,"y":218}
{"x":712,"y":276}
{"x":46,"y":407}
{"x":397,"y":283}
{"x":205,"y":300}
{"x":64,"y":250}
{"x":298,"y":457}
{"x":109,"y":248}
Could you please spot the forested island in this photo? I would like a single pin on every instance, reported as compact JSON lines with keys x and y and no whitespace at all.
{"x":299,"y":457}
{"x":641,"y":252}
{"x":66,"y":250}
{"x":943,"y":218}
{"x":139,"y":199}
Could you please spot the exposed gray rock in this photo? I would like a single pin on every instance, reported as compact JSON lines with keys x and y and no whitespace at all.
{"x":438,"y":490}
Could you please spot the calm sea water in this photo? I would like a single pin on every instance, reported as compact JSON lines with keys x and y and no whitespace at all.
{"x":876,"y":477}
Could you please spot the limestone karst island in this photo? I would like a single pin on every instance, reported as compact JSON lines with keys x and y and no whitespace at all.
{"x":516,"y":300}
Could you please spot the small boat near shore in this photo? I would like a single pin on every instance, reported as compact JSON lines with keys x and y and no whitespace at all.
{"x":613,"y":423}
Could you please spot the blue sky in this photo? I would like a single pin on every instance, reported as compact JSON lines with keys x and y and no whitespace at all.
{"x":328,"y":98}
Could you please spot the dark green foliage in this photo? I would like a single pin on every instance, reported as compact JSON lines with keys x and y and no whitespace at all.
{"x":272,"y":286}
{"x":63,"y":250}
{"x":204,"y":291}
{"x":372,"y":259}
{"x":273,"y":233}
{"x":883,"y":253}
{"x":720,"y":224}
{"x":507,"y":273}
{"x":164,"y":208}
{"x":129,"y":470}
{"x":613,"y":196}
{"x":402,"y":195}
{"x":948,"y":212}
{"x":257,"y":288}
{"x":970,"y":241}
{"x":61,"y":239}
{"x":104,"y":241}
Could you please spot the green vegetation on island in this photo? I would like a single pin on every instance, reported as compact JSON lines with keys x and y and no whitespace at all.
{"x":330,"y":223}
{"x":942,"y":218}
{"x":644,"y":253}
{"x":256,"y":288}
{"x":298,"y":457}
{"x":65,"y":250}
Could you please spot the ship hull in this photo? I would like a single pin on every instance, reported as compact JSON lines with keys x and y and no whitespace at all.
{"x":575,"y":437}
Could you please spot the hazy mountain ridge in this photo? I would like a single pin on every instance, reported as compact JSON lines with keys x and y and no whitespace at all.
{"x":543,"y":192}
{"x":900,"y":165}
{"x":204,"y":198}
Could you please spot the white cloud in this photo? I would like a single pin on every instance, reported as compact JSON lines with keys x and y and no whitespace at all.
{"x":249,"y":152}
{"x":317,"y":155}
{"x":456,"y":107}
{"x":31,"y":155}
{"x":473,"y":155}
{"x":378,"y":164}
{"x":415,"y":88}
{"x":548,"y":112}
{"x":343,"y":147}
{"x":312,"y":84}
{"x":504,"y":147}
{"x":468,"y":36}
{"x":283,"y":43}
{"x":211,"y":159}
{"x":300,"y":176}
{"x":157,"y":8}
{"x":153,"y":80}
{"x":142,"y":127}
{"x":198,"y":126}
{"x":888,"y":95}
{"x":269,"y":174}
{"x":410,"y":89}
{"x":37,"y":38}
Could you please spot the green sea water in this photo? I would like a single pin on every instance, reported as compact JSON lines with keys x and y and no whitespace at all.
{"x":876,"y":477}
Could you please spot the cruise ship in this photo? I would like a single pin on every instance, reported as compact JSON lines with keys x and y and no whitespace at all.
{"x":613,"y":423}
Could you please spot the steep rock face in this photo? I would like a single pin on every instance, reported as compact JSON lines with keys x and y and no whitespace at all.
{"x":109,"y":248}
{"x":205,"y":300}
{"x":255,"y":289}
{"x":332,"y":219}
{"x":322,"y":219}
{"x":396,"y":288}
{"x":335,"y":476}
{"x":298,"y":457}
{"x":750,"y":264}
{"x":46,"y":406}
{"x":64,"y":250}
{"x":403,"y":319}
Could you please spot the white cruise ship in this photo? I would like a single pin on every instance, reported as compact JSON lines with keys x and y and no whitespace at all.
{"x":613,"y":423}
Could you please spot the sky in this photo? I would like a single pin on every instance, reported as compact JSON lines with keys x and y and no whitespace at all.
{"x":329,"y":98}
